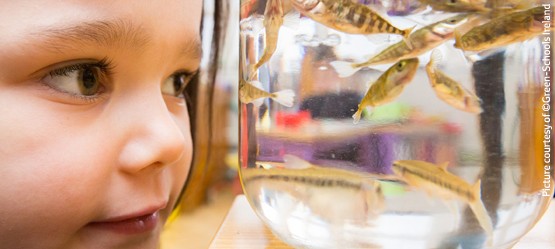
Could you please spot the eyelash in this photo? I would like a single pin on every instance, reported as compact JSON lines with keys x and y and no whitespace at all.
{"x":189,"y":77}
{"x":103,"y":66}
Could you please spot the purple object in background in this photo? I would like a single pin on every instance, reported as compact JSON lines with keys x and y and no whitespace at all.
{"x":404,"y":7}
{"x":370,"y":2}
{"x":395,"y":7}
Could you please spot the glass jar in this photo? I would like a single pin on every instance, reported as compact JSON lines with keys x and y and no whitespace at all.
{"x":396,"y":124}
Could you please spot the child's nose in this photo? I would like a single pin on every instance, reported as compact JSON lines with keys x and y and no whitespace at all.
{"x":154,"y":139}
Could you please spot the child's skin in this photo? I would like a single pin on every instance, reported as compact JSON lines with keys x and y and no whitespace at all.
{"x":84,"y":148}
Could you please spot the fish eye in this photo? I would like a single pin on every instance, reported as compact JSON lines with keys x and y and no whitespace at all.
{"x":453,"y":20}
{"x":452,"y":1}
{"x":400,"y":65}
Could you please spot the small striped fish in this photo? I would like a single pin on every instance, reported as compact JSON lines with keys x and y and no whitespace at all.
{"x":514,"y":27}
{"x":251,"y":91}
{"x":388,"y":86}
{"x":449,"y":90}
{"x":457,"y":5}
{"x":436,"y":180}
{"x":273,"y":19}
{"x":348,"y":16}
{"x":422,"y":41}
{"x":359,"y":194}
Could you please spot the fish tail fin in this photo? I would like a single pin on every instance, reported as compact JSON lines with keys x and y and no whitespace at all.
{"x":357,"y":115}
{"x":294,"y":162}
{"x":478,"y":208}
{"x":284,"y":97}
{"x":435,"y":58}
{"x":344,"y":68}
{"x":406,"y":36}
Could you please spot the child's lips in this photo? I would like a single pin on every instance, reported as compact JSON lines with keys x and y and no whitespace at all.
{"x":137,"y":223}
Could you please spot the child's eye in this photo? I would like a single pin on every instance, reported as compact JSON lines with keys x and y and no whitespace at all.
{"x":176,"y":84}
{"x":80,"y":80}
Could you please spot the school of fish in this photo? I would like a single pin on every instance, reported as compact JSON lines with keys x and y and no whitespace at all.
{"x":352,"y":17}
{"x":474,"y":26}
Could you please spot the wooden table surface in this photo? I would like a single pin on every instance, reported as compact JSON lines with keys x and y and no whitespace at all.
{"x":242,"y":229}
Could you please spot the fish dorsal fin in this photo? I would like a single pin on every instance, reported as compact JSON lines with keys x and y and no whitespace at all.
{"x":443,"y":166}
{"x":257,"y":84}
{"x":524,"y":5}
{"x":406,"y":37}
{"x":294,"y":162}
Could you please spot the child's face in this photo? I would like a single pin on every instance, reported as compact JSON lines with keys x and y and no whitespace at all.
{"x":94,"y":146}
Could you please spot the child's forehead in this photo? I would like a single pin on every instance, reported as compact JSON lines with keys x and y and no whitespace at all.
{"x":113,"y":23}
{"x":52,"y":31}
{"x":21,"y":16}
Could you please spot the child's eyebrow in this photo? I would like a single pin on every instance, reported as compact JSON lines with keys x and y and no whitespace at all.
{"x":192,"y":49}
{"x":102,"y":33}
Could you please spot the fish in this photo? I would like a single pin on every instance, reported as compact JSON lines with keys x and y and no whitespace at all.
{"x":490,"y":8}
{"x":319,"y":186}
{"x":273,"y":20}
{"x":388,"y":86}
{"x":457,"y":5}
{"x":449,"y":90}
{"x":511,"y":28}
{"x":252,"y":91}
{"x":348,"y":16}
{"x":436,"y":180}
{"x":422,"y":40}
